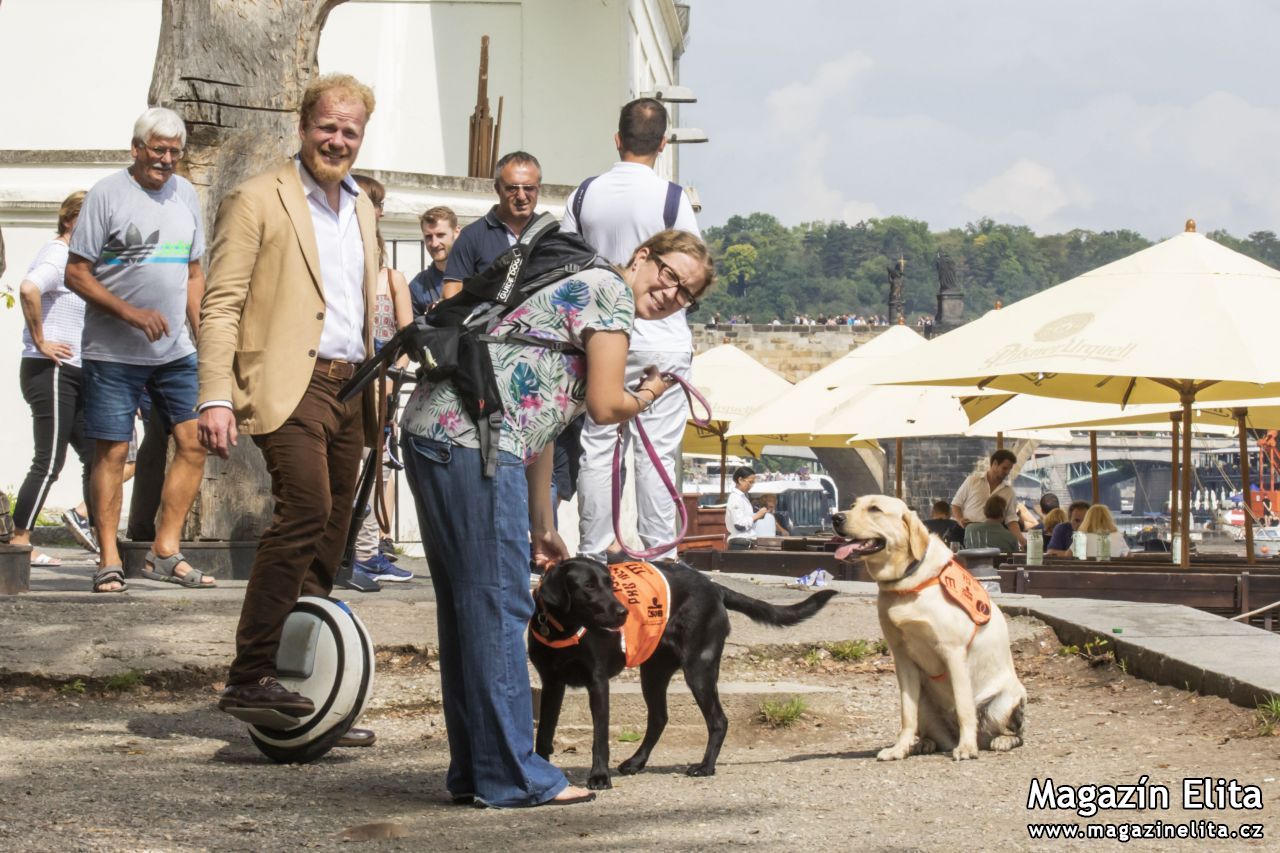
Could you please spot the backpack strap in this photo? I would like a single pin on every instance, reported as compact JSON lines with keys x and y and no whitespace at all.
{"x":672,"y":207}
{"x":577,"y":201}
{"x":539,"y":226}
{"x":529,"y":340}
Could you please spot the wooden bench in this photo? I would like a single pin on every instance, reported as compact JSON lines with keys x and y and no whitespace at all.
{"x":792,"y":564}
{"x":1258,"y":590}
{"x":1213,"y":591}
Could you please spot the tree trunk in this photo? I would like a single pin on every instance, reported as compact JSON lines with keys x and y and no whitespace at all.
{"x":235,"y":70}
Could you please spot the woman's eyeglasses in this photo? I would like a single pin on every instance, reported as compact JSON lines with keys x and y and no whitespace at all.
{"x":668,"y":279}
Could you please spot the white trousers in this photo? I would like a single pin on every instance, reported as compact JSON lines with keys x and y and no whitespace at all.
{"x":664,"y":423}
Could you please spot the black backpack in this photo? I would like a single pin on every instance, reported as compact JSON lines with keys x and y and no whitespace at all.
{"x":451,"y":341}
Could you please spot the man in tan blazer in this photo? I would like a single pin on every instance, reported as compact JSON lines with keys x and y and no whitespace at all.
{"x":287,"y":318}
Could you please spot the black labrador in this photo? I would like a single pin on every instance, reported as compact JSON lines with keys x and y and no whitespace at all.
{"x":578,"y":593}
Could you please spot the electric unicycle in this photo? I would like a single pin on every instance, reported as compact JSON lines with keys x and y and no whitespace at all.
{"x":326,"y":655}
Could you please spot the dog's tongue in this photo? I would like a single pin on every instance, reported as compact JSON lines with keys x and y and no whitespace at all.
{"x":843,"y":552}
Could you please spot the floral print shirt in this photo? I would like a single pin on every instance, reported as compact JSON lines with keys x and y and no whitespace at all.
{"x":542,"y":389}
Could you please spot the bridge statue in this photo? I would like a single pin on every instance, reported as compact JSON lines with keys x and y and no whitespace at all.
{"x":896,"y":276}
{"x":950,"y":297}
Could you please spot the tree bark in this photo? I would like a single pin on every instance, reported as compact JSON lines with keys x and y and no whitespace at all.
{"x":235,"y":70}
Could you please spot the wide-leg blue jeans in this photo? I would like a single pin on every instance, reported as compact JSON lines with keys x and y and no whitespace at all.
{"x":476,"y":535}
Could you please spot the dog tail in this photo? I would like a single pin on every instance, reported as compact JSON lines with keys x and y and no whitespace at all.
{"x":771,"y":614}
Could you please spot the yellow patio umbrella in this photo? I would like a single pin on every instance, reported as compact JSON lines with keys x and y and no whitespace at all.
{"x":735,"y":384}
{"x":1183,"y":321}
{"x":792,"y":418}
{"x":910,"y":411}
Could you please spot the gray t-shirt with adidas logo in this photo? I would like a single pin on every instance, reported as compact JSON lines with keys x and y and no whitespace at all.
{"x":140,"y":243}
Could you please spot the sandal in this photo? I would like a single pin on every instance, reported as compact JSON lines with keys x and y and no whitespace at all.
{"x":163,"y":569}
{"x":43,"y":559}
{"x":109,"y":574}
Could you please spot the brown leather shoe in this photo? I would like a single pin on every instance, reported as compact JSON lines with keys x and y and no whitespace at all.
{"x":358,"y":737}
{"x":266,"y":693}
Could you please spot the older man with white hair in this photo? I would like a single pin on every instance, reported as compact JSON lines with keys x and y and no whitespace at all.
{"x":135,"y":260}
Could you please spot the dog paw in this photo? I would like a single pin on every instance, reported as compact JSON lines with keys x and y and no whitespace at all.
{"x":892,"y":753}
{"x":599,"y":782}
{"x":631,"y":766}
{"x":965,"y":751}
{"x":1004,"y":743}
{"x":924,"y":746}
{"x":701,"y":770}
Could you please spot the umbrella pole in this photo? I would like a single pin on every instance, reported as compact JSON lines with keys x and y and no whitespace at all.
{"x":1175,"y":424}
{"x":999,"y":441}
{"x":1186,"y":480}
{"x":1245,"y":483}
{"x":1093,"y":463}
{"x":897,"y":467}
{"x":724,"y":457}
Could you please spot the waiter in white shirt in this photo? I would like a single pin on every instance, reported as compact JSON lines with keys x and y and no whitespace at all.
{"x":616,"y":212}
{"x":740,"y":516}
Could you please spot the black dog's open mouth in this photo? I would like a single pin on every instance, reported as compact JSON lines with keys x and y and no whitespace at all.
{"x":855,"y":548}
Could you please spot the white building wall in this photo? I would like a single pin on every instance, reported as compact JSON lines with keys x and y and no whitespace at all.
{"x":564,"y":68}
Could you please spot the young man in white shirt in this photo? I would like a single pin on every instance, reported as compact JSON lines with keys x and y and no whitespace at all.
{"x":967,"y":507}
{"x":616,"y":212}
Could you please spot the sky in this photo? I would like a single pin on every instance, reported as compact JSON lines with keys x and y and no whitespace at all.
{"x":1096,"y":114}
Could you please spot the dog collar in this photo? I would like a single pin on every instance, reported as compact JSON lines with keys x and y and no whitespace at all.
{"x":543,"y":625}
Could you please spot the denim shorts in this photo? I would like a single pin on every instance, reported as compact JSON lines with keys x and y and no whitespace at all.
{"x":113,"y":393}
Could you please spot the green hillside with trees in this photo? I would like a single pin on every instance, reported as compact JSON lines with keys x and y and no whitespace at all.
{"x":837,"y":268}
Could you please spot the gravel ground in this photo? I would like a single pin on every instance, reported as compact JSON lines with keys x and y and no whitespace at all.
{"x":146,"y":768}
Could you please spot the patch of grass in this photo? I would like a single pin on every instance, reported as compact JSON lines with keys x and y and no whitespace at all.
{"x":851,"y":651}
{"x":628,"y":736}
{"x":1268,"y":715}
{"x":779,"y":715}
{"x":124,"y":681}
{"x":813,"y":657}
{"x":75,"y":686}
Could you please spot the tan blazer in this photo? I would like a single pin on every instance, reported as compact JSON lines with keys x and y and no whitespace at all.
{"x":263,"y":306}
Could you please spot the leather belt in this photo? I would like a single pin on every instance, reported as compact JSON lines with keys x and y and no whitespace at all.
{"x":334,"y":369}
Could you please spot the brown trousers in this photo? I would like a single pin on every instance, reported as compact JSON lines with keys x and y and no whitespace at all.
{"x":314,"y":462}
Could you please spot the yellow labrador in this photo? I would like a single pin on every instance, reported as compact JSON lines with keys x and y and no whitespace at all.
{"x":958,"y":688}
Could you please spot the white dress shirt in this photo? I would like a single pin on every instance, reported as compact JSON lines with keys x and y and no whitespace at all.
{"x":738,"y":516}
{"x":341,"y":253}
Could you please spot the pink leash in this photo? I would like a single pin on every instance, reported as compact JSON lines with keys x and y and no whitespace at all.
{"x":691,"y":394}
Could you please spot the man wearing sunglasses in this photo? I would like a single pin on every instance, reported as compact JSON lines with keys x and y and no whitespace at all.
{"x":616,"y":212}
{"x":517,"y":180}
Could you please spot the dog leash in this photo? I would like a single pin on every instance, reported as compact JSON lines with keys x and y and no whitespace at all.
{"x":691,"y":394}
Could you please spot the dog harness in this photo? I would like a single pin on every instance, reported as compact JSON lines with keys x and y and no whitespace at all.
{"x":964,"y":591}
{"x":644,"y":591}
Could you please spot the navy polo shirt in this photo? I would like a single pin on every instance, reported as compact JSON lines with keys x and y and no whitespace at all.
{"x":478,"y":245}
{"x":426,"y":288}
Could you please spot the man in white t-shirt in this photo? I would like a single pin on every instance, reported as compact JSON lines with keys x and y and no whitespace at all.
{"x":967,"y":507}
{"x":616,"y":212}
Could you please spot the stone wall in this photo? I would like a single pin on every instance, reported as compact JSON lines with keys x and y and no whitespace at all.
{"x":933,"y":468}
{"x":793,"y":351}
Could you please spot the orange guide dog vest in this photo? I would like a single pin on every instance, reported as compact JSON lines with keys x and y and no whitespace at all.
{"x":644,"y":591}
{"x":965,"y":592}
